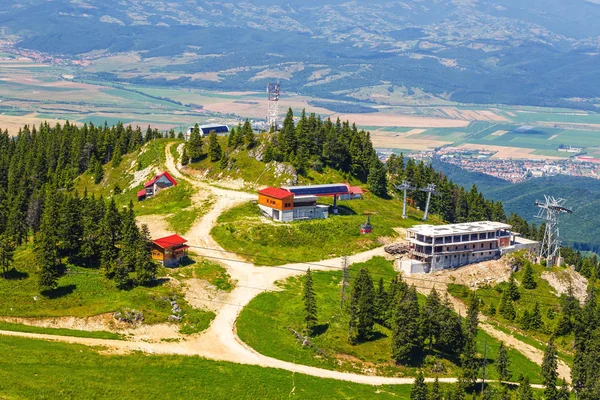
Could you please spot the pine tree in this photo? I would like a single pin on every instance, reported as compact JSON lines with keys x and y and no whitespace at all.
{"x":377,"y":179}
{"x":129,"y":238}
{"x":436,"y":391}
{"x":193,"y":146}
{"x":144,"y":266}
{"x":528,"y":279}
{"x":117,"y":157}
{"x":549,"y":371}
{"x":535,"y":321}
{"x":526,"y":320}
{"x":469,"y":360}
{"x":472,"y":319}
{"x":503,"y":363}
{"x":407,"y":338}
{"x":7,"y":250}
{"x":507,"y":308}
{"x":46,"y":244}
{"x":310,"y":303}
{"x":431,"y":317}
{"x":214,"y":148}
{"x":110,"y":234}
{"x":564,"y":393}
{"x":458,"y":392}
{"x":249,"y":137}
{"x":525,"y":392}
{"x":452,"y":334}
{"x":419,"y":388}
{"x":381,"y":302}
{"x":185,"y":158}
{"x":361,"y":308}
{"x":513,"y":290}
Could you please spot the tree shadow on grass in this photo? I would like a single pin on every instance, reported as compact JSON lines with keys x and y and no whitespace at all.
{"x":319,"y":329}
{"x":14,"y":275}
{"x":374,"y":337}
{"x":59,"y":292}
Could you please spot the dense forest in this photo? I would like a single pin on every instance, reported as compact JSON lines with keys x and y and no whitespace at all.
{"x":37,"y":171}
{"x":311,"y":143}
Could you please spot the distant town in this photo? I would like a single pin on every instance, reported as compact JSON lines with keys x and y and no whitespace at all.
{"x":514,"y":170}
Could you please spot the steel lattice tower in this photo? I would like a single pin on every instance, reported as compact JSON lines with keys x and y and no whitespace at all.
{"x":430,"y":189}
{"x":405,"y":187}
{"x":549,"y":211}
{"x":273,"y":107}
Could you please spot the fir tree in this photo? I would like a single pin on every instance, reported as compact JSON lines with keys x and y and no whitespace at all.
{"x":144,"y":266}
{"x":525,"y":392}
{"x":507,"y":308}
{"x":214,"y":148}
{"x":407,"y":339}
{"x":528,"y":279}
{"x":249,"y":137}
{"x":419,"y":388}
{"x":224,"y":162}
{"x":7,"y":250}
{"x":535,"y":321}
{"x":469,"y":362}
{"x":117,"y":157}
{"x":452,"y":335}
{"x":185,"y":158}
{"x":310,"y":303}
{"x":377,"y":179}
{"x":472,"y":319}
{"x":513,"y":290}
{"x":193,"y":146}
{"x":549,"y":371}
{"x":431,"y":317}
{"x":502,"y":364}
{"x":46,"y":245}
{"x":381,"y":302}
{"x":436,"y":391}
{"x":564,"y":393}
{"x":361,"y":308}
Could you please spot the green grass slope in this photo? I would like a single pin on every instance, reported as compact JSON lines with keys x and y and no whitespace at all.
{"x":264,"y":324}
{"x":244,"y":230}
{"x":44,"y":370}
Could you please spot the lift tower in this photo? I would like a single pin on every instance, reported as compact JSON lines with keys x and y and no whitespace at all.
{"x":405,"y":187}
{"x":549,"y":211}
{"x":273,"y":106}
{"x":430,"y":189}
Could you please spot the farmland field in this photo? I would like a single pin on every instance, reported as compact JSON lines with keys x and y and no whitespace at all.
{"x":33,"y":92}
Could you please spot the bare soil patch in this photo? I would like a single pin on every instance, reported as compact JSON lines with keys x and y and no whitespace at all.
{"x":563,"y":279}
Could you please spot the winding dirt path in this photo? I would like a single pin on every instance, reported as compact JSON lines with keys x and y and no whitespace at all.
{"x":220,"y":341}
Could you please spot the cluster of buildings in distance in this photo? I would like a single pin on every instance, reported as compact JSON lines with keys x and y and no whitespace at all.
{"x":513,"y":170}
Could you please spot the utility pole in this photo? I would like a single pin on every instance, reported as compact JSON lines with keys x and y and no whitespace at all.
{"x":484,"y":364}
{"x":344,"y":280}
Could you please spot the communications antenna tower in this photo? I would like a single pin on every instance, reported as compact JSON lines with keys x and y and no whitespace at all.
{"x":405,"y":187}
{"x":273,"y":107}
{"x":430,"y":189}
{"x":549,"y":211}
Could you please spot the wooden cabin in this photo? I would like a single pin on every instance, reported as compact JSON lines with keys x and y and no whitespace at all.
{"x":170,"y":250}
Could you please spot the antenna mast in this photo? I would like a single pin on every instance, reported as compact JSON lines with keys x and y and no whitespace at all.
{"x":549,"y":211}
{"x":273,"y":107}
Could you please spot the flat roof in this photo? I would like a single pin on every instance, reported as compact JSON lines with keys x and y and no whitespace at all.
{"x":319,"y":190}
{"x":458,"y":229}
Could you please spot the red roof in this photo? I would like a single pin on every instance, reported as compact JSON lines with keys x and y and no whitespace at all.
{"x":169,"y":241}
{"x":157,"y":177}
{"x":355,"y":190}
{"x":275,"y":193}
{"x":141,"y":193}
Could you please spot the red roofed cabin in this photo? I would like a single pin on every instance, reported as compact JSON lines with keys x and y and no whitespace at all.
{"x":170,"y":250}
{"x":277,"y":203}
{"x":159,"y":182}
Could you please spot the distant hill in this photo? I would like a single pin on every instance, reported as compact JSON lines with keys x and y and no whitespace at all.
{"x":540,"y":52}
{"x":580,"y":229}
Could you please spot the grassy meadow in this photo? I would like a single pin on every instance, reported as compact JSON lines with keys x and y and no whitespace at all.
{"x":48,"y":370}
{"x":85,"y":292}
{"x":264,"y":325}
{"x":244,"y":230}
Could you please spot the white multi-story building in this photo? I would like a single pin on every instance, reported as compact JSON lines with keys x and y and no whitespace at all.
{"x":438,"y":247}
